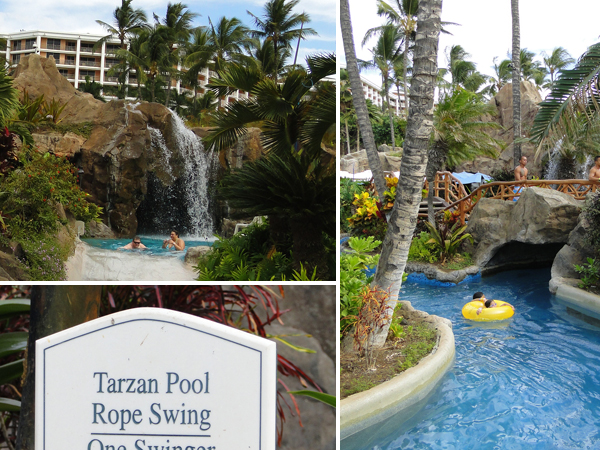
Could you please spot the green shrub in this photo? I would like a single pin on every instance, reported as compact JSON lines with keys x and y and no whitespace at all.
{"x":353,"y":278}
{"x":367,"y":220}
{"x":44,"y":258}
{"x":348,"y":188}
{"x":590,"y":274}
{"x":246,"y":256}
{"x":423,"y":251}
{"x":31,"y":194}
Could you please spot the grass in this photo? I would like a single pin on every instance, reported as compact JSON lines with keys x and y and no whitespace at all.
{"x":459,"y":262}
{"x":357,"y":385}
{"x":422,"y":340}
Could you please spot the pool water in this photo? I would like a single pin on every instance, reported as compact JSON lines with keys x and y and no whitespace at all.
{"x":102,"y":260}
{"x":530,"y":382}
{"x":154,"y":244}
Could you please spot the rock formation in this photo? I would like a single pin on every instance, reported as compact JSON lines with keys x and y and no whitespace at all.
{"x":530,"y":99}
{"x":357,"y":162}
{"x":118,"y":156}
{"x":574,"y":252}
{"x":525,"y":233}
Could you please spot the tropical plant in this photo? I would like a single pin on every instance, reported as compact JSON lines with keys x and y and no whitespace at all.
{"x":571,"y":108}
{"x":591,"y":213}
{"x":367,"y":220}
{"x":516,"y":79}
{"x":354,"y":265}
{"x":422,"y":250}
{"x":13,"y":342}
{"x":348,"y":189}
{"x":280,"y":26}
{"x":177,"y":28}
{"x":91,"y":87}
{"x":386,"y":55}
{"x":558,"y":60}
{"x":409,"y":190}
{"x":128,"y":22}
{"x":590,"y":274}
{"x":447,"y":236}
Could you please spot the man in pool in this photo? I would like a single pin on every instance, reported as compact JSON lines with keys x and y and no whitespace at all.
{"x":135,"y":244}
{"x":175,"y":242}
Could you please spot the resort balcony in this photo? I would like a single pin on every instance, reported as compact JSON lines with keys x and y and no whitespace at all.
{"x":71,"y":48}
{"x":89,"y":63}
{"x":52,"y":46}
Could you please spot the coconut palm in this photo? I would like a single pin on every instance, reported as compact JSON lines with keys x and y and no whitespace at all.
{"x":280,"y":26}
{"x":516,"y":79}
{"x":463,"y":72}
{"x":359,"y":101}
{"x":263,"y":55}
{"x":386,"y":54}
{"x":571,"y":109}
{"x":403,"y":218}
{"x":177,"y":25}
{"x":127,"y":23}
{"x":295,"y":120}
{"x":197,"y":43}
{"x":556,"y":61}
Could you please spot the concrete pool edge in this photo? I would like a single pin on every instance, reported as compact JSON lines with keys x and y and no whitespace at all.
{"x":364,"y":409}
{"x":581,"y":300}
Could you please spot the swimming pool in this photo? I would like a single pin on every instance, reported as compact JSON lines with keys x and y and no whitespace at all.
{"x":530,"y":382}
{"x":102,"y":260}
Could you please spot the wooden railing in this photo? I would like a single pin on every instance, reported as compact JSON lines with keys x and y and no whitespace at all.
{"x":508,"y":190}
{"x":447,"y":187}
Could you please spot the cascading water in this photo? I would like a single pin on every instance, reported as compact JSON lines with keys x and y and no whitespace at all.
{"x":183,"y":204}
{"x":553,"y":166}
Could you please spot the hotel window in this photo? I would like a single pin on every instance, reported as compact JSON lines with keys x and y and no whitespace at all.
{"x":53,"y":44}
{"x":87,"y":73}
{"x":71,"y":46}
{"x":16,"y":59}
{"x":29,"y":43}
{"x":64,"y":72}
{"x":90,"y":62}
{"x":16,"y":45}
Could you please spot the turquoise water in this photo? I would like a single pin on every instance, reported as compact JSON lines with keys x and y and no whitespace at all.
{"x":153,"y":243}
{"x":530,"y":382}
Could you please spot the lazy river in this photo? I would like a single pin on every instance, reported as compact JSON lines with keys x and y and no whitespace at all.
{"x":103,"y":260}
{"x":529,"y":382}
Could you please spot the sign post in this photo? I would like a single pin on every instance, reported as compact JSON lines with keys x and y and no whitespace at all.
{"x":155,"y":379}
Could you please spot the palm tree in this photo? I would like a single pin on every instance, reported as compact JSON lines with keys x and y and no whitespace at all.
{"x":571,"y":109}
{"x":293,"y":137}
{"x":280,"y":26}
{"x":463,"y":72}
{"x":516,"y":80}
{"x":558,"y":60}
{"x":197,"y":43}
{"x":403,"y":218}
{"x":386,"y":54}
{"x":359,"y":101}
{"x":263,"y":55}
{"x":91,"y":87}
{"x":127,"y":23}
{"x":178,"y":28}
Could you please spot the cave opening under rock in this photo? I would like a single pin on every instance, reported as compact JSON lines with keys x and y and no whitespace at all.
{"x":516,"y":255}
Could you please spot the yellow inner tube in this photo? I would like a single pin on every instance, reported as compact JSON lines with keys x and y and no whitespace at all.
{"x":500,"y":312}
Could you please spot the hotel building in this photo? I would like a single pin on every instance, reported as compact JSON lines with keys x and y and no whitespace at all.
{"x":76,"y":58}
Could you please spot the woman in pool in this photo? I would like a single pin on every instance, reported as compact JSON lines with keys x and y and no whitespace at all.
{"x":175,"y":242}
{"x":478,"y":296}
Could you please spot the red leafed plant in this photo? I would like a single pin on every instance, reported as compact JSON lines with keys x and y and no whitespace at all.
{"x":234,"y":307}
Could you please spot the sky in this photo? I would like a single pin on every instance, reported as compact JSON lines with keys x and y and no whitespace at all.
{"x":79,"y":16}
{"x":485,"y":28}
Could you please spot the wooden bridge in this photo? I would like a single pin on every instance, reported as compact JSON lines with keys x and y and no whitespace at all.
{"x":450,"y":194}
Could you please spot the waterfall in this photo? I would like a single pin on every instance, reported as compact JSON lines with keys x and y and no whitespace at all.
{"x":199,"y":166}
{"x":553,"y":163}
{"x":184,"y":204}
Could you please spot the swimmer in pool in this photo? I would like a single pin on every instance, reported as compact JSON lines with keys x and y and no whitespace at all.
{"x":487,"y":303}
{"x":135,"y":244}
{"x":175,"y":242}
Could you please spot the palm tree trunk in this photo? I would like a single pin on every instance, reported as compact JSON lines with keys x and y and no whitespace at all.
{"x":391,"y":122}
{"x":357,"y":137}
{"x":516,"y":80}
{"x":347,"y":135}
{"x":358,"y":99}
{"x":403,"y":219}
{"x":404,"y":69}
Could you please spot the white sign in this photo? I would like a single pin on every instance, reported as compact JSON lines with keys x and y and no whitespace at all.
{"x":155,"y":379}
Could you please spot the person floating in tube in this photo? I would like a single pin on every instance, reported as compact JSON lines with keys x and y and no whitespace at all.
{"x":175,"y":243}
{"x":480,"y":297}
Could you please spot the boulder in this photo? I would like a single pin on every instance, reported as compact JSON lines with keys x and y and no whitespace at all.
{"x":576,"y":251}
{"x":192,"y":254}
{"x":98,"y":230}
{"x":357,"y":162}
{"x":503,"y":102}
{"x":528,"y":232}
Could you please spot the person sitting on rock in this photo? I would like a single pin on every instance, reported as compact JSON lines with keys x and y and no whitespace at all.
{"x":175,"y":242}
{"x":135,"y":244}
